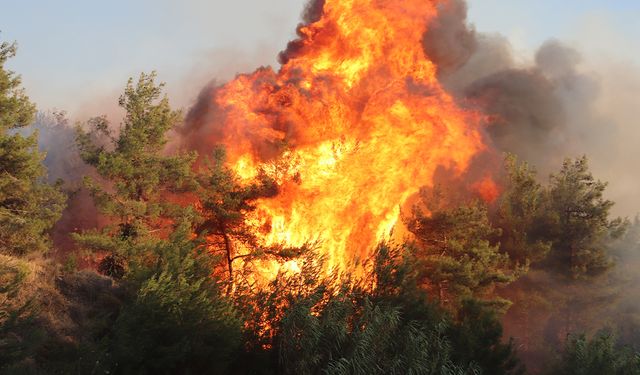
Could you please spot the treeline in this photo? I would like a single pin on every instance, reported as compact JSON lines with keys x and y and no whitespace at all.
{"x":172,"y":291}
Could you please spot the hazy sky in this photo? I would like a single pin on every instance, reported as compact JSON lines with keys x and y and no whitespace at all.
{"x":75,"y":52}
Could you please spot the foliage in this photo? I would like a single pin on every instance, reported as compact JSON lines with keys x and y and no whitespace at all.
{"x":139,"y":178}
{"x":579,"y":224}
{"x":566,"y":225}
{"x":311,"y":324}
{"x":478,"y":338}
{"x":225,"y":203}
{"x":17,"y":110}
{"x":178,"y":322}
{"x":569,"y":290}
{"x":458,"y":254}
{"x":426,"y":307}
{"x":19,"y":334}
{"x":521,"y":210}
{"x":597,"y":356}
{"x":28,"y":206}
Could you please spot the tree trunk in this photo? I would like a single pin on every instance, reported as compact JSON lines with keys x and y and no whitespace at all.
{"x":228,"y":246}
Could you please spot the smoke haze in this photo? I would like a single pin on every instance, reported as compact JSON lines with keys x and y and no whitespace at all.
{"x":556,"y":104}
{"x":549,"y":108}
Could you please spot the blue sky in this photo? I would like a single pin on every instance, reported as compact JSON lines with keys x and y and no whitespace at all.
{"x":72,"y":51}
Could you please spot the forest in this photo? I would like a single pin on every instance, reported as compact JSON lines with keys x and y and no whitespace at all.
{"x":142,"y":257}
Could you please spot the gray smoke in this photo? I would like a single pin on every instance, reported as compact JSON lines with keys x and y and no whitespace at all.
{"x":56,"y":138}
{"x":545,"y":111}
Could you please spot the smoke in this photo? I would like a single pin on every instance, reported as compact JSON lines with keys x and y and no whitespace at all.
{"x":204,"y":124}
{"x":553,"y":107}
{"x":556,"y":105}
{"x":311,"y":13}
{"x":196,"y":135}
{"x":56,"y":138}
{"x":450,"y":41}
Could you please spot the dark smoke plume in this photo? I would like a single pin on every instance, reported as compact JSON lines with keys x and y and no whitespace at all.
{"x":542,"y":112}
{"x":450,"y":41}
{"x":545,"y":111}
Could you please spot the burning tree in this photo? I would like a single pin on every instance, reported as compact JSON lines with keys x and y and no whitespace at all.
{"x":358,"y":117}
{"x":225,"y":203}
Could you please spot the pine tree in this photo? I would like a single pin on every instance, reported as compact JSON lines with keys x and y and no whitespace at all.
{"x":225,"y":203}
{"x":138,"y":178}
{"x":597,"y":356}
{"x":20,"y":336}
{"x":580,"y":228}
{"x":521,"y":209}
{"x":385,"y":324}
{"x":458,"y":253}
{"x":28,"y":206}
{"x":178,"y":322}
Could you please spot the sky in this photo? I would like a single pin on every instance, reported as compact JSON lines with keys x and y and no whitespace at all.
{"x":76,"y":55}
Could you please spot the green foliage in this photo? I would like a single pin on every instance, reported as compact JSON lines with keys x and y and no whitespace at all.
{"x":28,"y":206}
{"x":382,"y":342}
{"x":20,"y":337}
{"x":598,"y":356}
{"x":474,"y":331}
{"x":166,"y":311}
{"x":477,"y":338}
{"x":521,"y":209}
{"x":225,"y":202}
{"x":70,"y":264}
{"x":579,"y":224}
{"x":139,"y":177}
{"x":15,"y":108}
{"x":132,"y":161}
{"x":458,"y":254}
{"x":568,"y":290}
{"x":174,"y":319}
{"x":178,"y":322}
{"x":19,"y":334}
{"x":566,"y":224}
{"x":310,"y":324}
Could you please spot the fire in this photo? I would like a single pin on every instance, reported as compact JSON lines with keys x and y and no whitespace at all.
{"x":352,"y":125}
{"x":487,"y":189}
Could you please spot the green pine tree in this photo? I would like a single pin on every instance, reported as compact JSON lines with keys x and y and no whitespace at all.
{"x":28,"y":206}
{"x":306,"y":323}
{"x":459,"y":255}
{"x":521,"y":209}
{"x":178,"y":322}
{"x":597,"y":356}
{"x":138,"y":178}
{"x":580,"y":228}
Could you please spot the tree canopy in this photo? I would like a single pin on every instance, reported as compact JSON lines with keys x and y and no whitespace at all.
{"x":28,"y":205}
{"x":138,"y":177}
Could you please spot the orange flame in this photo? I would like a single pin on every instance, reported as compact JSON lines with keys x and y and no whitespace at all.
{"x":487,"y":189}
{"x":351,"y":126}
